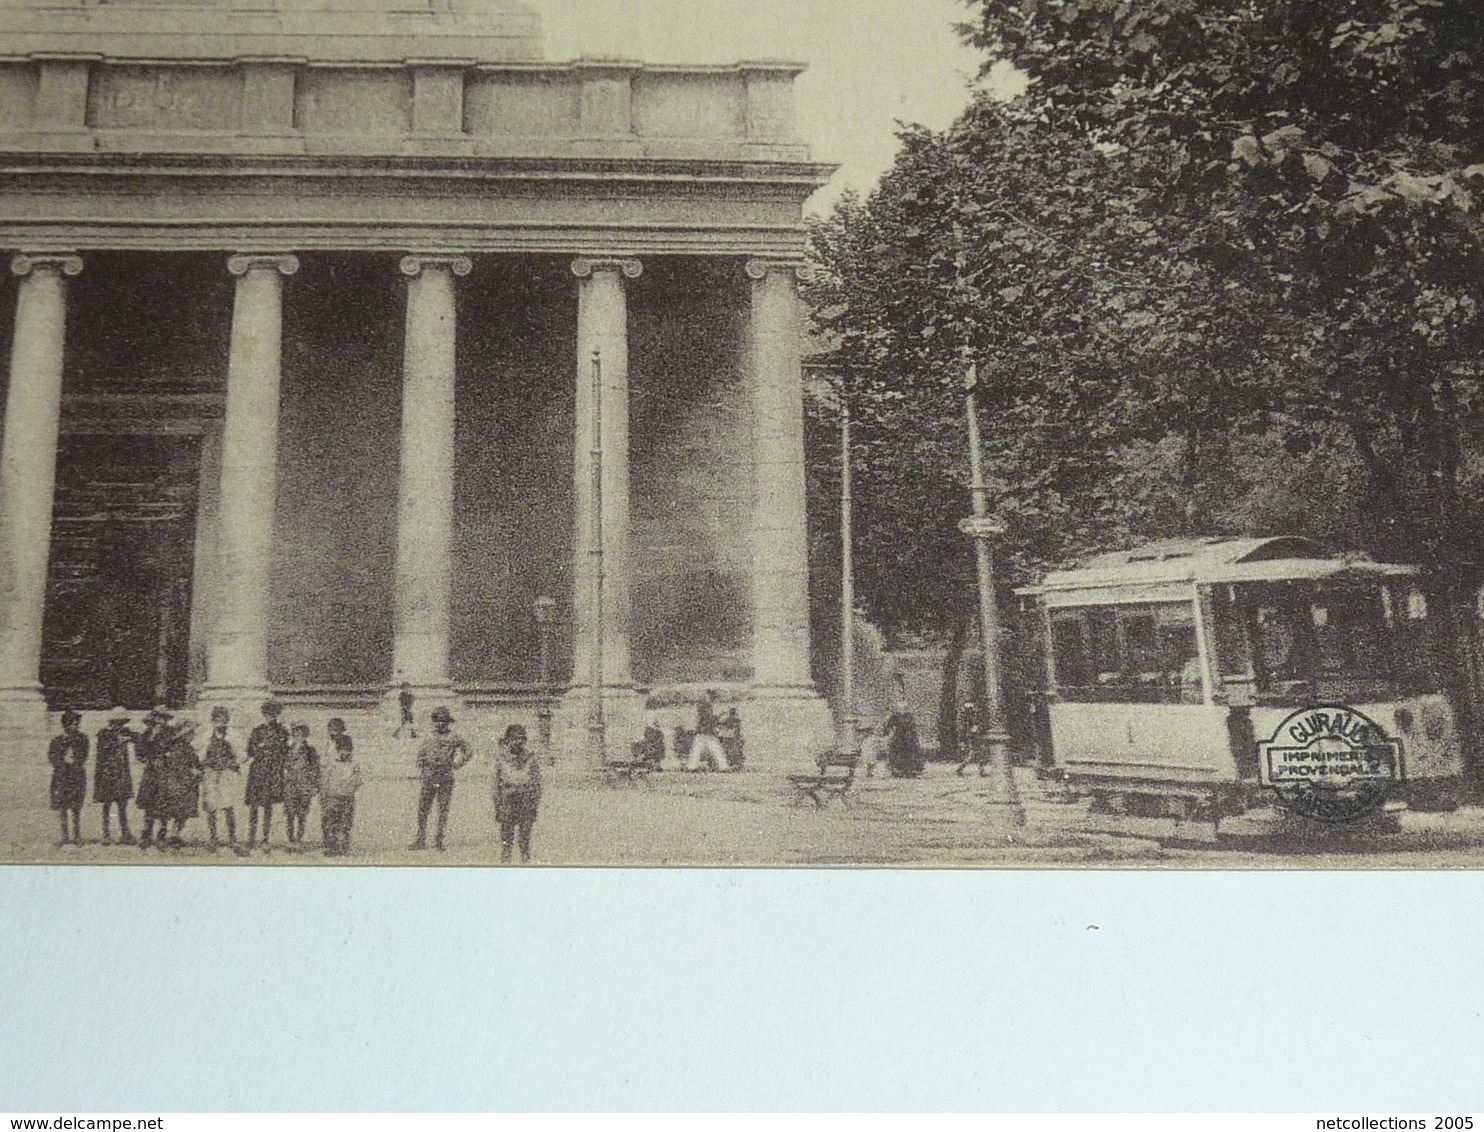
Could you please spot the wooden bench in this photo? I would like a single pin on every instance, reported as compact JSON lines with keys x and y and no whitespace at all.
{"x":834,"y":779}
{"x":627,"y":770}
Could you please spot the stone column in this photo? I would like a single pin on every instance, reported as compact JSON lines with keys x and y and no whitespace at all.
{"x":425,"y":494}
{"x":28,"y":472}
{"x":203,"y":559}
{"x":779,"y":535}
{"x":237,"y":648}
{"x":602,"y":331}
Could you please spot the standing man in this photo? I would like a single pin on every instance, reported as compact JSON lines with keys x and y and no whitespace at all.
{"x":113,"y":780}
{"x":68,"y":755}
{"x":441,"y":754}
{"x":706,"y":748}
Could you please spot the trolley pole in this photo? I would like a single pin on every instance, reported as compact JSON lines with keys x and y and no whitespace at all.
{"x":1004,"y":799}
{"x":849,"y":718}
{"x":596,"y":725}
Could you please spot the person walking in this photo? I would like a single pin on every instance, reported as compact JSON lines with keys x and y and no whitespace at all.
{"x":221,"y":781}
{"x":441,"y":755}
{"x":113,"y":779}
{"x":68,"y":754}
{"x":340,"y":778}
{"x":705,"y":747}
{"x":300,"y":782}
{"x":405,"y":700}
{"x":517,"y":793}
{"x":267,"y":751}
{"x":971,"y":745}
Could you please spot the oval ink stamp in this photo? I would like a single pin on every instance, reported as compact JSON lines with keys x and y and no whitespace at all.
{"x":1330,"y":762}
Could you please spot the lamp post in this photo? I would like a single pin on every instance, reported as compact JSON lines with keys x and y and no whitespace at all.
{"x":847,"y":583}
{"x":596,"y":724}
{"x":545,"y":610}
{"x":1004,"y":800}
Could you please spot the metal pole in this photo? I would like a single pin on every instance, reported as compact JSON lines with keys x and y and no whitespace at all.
{"x":848,"y":738}
{"x":1004,"y":798}
{"x":596,"y":724}
{"x":545,"y":610}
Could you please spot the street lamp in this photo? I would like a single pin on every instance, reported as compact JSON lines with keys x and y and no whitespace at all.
{"x":545,"y":611}
{"x":1004,"y":800}
{"x":850,"y":737}
{"x":596,"y":725}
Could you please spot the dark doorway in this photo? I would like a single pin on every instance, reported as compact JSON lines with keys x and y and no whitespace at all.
{"x":119,"y":583}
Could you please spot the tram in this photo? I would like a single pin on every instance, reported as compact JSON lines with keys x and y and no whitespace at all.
{"x":1167,"y":666}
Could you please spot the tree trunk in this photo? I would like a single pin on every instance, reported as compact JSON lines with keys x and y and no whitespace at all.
{"x":948,"y":698}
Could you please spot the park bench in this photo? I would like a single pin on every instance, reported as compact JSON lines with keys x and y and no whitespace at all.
{"x":627,"y":770}
{"x":636,"y":768}
{"x":834,"y":778}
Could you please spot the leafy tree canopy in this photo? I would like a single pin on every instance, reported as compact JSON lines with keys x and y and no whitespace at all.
{"x":1219,"y":269}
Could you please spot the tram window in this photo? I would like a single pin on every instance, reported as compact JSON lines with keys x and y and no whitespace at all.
{"x":1233,"y":648}
{"x":1352,"y":639}
{"x":1130,"y":654}
{"x":1070,"y":644}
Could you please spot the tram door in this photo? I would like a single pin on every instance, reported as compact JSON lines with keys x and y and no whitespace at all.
{"x":119,"y":582}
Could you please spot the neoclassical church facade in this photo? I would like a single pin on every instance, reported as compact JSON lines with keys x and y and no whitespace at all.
{"x":342,"y":331}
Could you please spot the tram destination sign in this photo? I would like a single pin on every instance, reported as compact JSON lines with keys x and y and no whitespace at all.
{"x":1330,"y":762}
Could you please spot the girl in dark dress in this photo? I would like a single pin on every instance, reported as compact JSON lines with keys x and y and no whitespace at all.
{"x":182,"y":779}
{"x":267,"y":751}
{"x":68,"y":754}
{"x":113,"y":781}
{"x":149,"y":749}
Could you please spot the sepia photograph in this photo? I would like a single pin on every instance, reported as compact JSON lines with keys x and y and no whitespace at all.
{"x":950,"y":433}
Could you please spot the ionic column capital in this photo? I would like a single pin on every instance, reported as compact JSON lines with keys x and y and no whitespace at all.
{"x":584,"y":266}
{"x":759,"y":268}
{"x":283,"y":264}
{"x":64,"y":262}
{"x":414,"y":265}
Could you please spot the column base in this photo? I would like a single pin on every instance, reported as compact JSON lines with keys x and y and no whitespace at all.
{"x":786,"y":729}
{"x":25,"y":731}
{"x":24,"y":717}
{"x":572,"y":738}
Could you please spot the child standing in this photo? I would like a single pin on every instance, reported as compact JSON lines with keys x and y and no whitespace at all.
{"x":873,"y":747}
{"x":300,"y":781}
{"x":517,"y":793}
{"x":149,"y":749}
{"x":267,"y":748}
{"x":113,"y":781}
{"x":339,"y":781}
{"x":182,"y":781}
{"x":68,"y":754}
{"x":221,"y":780}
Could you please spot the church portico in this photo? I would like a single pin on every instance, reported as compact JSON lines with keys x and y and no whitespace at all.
{"x":382,"y":349}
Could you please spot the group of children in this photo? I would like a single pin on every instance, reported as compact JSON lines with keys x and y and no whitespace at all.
{"x":177,"y":783}
{"x":281,"y":768}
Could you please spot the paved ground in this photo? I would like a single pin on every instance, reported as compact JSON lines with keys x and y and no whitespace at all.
{"x":751,"y":818}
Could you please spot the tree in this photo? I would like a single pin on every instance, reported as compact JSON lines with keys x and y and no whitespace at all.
{"x":1222,"y":260}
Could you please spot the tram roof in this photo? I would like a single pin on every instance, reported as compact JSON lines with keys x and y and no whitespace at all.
{"x":1149,"y":572}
